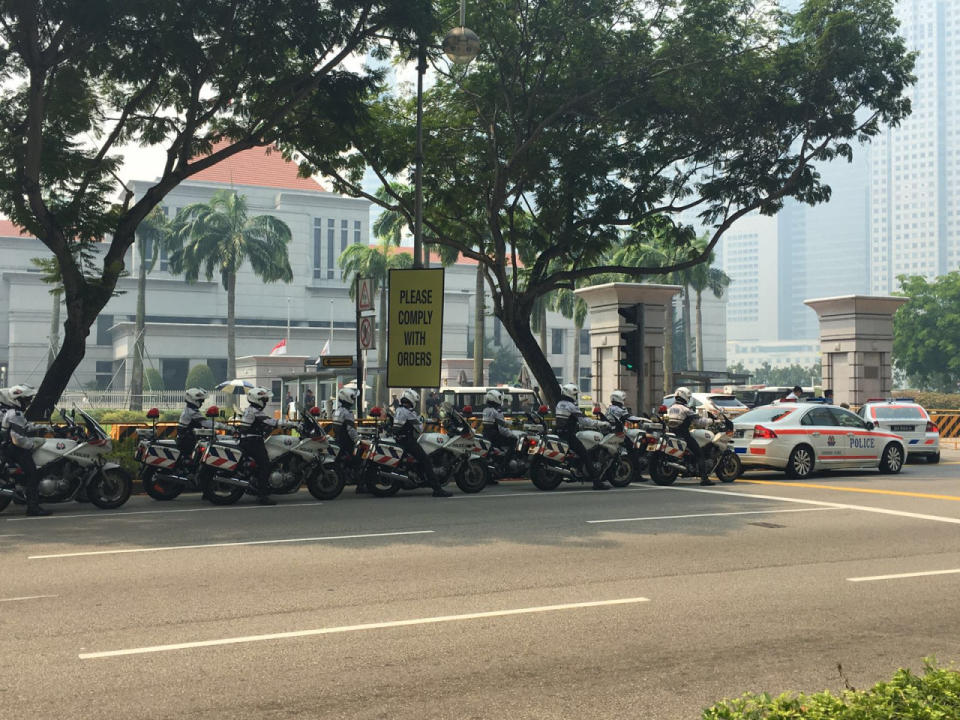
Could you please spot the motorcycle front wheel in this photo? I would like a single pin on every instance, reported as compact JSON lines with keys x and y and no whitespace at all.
{"x":660,"y":472}
{"x":474,"y":477}
{"x":623,"y":472}
{"x":543,"y":480}
{"x":729,"y":468}
{"x":110,"y":488}
{"x":159,"y":489}
{"x":217,"y":492}
{"x":4,"y":501}
{"x":325,"y":483}
{"x":378,"y":486}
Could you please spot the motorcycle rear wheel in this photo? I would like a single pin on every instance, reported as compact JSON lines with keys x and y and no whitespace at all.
{"x":110,"y":488}
{"x":474,"y":478}
{"x":159,"y":489}
{"x":623,"y":473}
{"x":660,"y":472}
{"x":543,"y":480}
{"x":325,"y":483}
{"x":215,"y":491}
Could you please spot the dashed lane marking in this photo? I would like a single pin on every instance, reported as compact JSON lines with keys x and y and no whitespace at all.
{"x":367,"y":626}
{"x":900,"y":576}
{"x":27,"y":597}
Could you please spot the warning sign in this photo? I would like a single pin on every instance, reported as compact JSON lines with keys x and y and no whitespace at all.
{"x":415,"y":334}
{"x":364,"y":294}
{"x":366,"y":333}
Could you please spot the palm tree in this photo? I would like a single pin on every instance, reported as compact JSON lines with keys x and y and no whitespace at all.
{"x":701,"y":278}
{"x":153,"y":233}
{"x":217,"y":237}
{"x":572,"y":306}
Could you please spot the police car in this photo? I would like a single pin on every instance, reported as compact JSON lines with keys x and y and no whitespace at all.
{"x":802,"y":438}
{"x":906,"y":418}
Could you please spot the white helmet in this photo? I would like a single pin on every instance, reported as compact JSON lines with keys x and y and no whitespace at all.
{"x":682,"y":395}
{"x":570,"y":390}
{"x":411,"y":396}
{"x":495,"y":397}
{"x":18,"y":396}
{"x":618,"y":397}
{"x":347,"y":396}
{"x":259,"y":397}
{"x":195,"y":396}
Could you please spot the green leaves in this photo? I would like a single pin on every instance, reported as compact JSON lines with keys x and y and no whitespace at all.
{"x":926,"y":332}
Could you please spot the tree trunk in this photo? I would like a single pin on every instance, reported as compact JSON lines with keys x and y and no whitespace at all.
{"x":542,"y":312}
{"x":478,"y":330}
{"x":668,"y":350}
{"x":76,"y":328}
{"x":54,"y":331}
{"x":136,"y":372}
{"x":687,"y":344}
{"x":231,"y":331}
{"x":382,"y":349}
{"x":699,"y":331}
{"x":517,"y":323}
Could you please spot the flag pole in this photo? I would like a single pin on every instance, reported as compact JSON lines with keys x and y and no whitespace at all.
{"x":288,"y":321}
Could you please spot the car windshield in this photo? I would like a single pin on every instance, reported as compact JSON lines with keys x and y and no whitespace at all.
{"x":726,"y":401}
{"x":765,"y":414}
{"x":906,"y":412}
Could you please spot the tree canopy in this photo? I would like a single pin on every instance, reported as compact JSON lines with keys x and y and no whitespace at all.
{"x":586,"y":125}
{"x":926,"y":332}
{"x":200,"y":80}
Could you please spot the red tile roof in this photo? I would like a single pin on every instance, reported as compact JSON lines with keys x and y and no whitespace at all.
{"x":8,"y":229}
{"x":259,"y":167}
{"x":435,"y":258}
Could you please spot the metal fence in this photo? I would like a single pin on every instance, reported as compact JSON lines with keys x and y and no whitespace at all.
{"x":120,"y":399}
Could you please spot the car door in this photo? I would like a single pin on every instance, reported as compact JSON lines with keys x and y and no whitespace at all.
{"x":860,"y":447}
{"x":821,"y":430}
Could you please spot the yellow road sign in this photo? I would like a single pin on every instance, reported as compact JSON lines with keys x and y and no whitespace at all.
{"x":415,"y":332}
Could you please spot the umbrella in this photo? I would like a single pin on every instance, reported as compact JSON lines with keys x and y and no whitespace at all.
{"x":238,"y":386}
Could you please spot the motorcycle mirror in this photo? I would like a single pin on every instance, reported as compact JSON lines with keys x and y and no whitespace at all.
{"x":543,"y":409}
{"x":375,"y":412}
{"x":152,"y":413}
{"x":315,"y":411}
{"x":662,"y":409}
{"x":213,"y":411}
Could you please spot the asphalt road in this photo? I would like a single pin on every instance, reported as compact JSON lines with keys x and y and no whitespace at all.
{"x":638,"y":603}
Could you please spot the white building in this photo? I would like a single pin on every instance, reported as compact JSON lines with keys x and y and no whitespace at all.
{"x":186,"y":323}
{"x":915,"y":168}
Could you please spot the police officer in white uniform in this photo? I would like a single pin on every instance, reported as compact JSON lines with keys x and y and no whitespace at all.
{"x":680,"y":418}
{"x":345,"y":429}
{"x":17,"y":443}
{"x":407,"y":428}
{"x":617,"y":412}
{"x":569,"y":422}
{"x":495,"y":427}
{"x":255,"y":424}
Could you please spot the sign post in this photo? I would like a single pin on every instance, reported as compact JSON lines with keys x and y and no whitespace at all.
{"x":415,"y":330}
{"x":364,"y":304}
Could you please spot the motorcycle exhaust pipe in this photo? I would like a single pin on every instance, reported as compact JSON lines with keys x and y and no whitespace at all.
{"x":562,"y":471}
{"x":676,"y":466}
{"x":236,"y":482}
{"x":396,"y":477}
{"x":176,"y":479}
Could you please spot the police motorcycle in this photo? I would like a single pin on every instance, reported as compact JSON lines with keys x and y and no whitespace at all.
{"x":226,"y":473}
{"x":498,"y":466}
{"x":671,"y":459}
{"x":163,"y":473}
{"x":552,"y":461}
{"x":325,"y":478}
{"x":72,"y":465}
{"x":386,"y":468}
{"x":634,"y":453}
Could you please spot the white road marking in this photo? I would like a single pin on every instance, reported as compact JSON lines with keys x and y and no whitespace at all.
{"x":904,"y":575}
{"x":821,"y":503}
{"x":357,"y":628}
{"x":60,"y":516}
{"x":537,"y":493}
{"x":126,"y":551}
{"x":700,"y":515}
{"x":27,"y":597}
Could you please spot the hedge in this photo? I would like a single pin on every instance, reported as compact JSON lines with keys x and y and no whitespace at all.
{"x":932,"y":400}
{"x":935,"y":695}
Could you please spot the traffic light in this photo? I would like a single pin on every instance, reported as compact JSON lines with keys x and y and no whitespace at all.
{"x":631,"y":338}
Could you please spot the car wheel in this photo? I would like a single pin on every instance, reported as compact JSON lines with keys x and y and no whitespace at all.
{"x":933,"y":458}
{"x":891,"y":462}
{"x":800,"y":463}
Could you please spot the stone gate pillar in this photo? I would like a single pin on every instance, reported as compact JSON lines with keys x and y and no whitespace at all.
{"x":856,"y":343}
{"x":644,"y":389}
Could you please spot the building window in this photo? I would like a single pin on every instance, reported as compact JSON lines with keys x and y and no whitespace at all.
{"x":331,"y":239}
{"x":497,"y":330}
{"x":558,"y":372}
{"x":585,"y":379}
{"x":218,"y":366}
{"x":556,"y":342}
{"x":344,"y":235}
{"x":584,"y":342}
{"x":356,"y":232}
{"x":104,"y":323}
{"x":317,"y":248}
{"x":174,"y":371}
{"x":104,"y":374}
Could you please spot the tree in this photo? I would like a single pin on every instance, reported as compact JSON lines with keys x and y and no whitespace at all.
{"x":575,"y":308}
{"x":200,"y":80}
{"x":505,"y":366}
{"x":152,"y":235}
{"x":152,"y":380}
{"x":926,"y":332}
{"x":584,"y":118}
{"x":217,"y":238}
{"x":700,"y":278}
{"x":201,"y":376}
{"x":788,"y":376}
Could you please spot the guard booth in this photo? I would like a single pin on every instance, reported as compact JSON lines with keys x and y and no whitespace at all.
{"x":321,"y":377}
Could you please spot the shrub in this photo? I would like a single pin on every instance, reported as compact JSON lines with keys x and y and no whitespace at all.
{"x":935,"y":694}
{"x":200,"y":376}
{"x":152,"y":380}
{"x":123,"y":454}
{"x":114,"y":417}
{"x":932,"y":400}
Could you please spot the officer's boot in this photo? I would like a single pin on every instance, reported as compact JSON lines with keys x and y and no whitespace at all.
{"x":704,"y":477}
{"x":33,"y":502}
